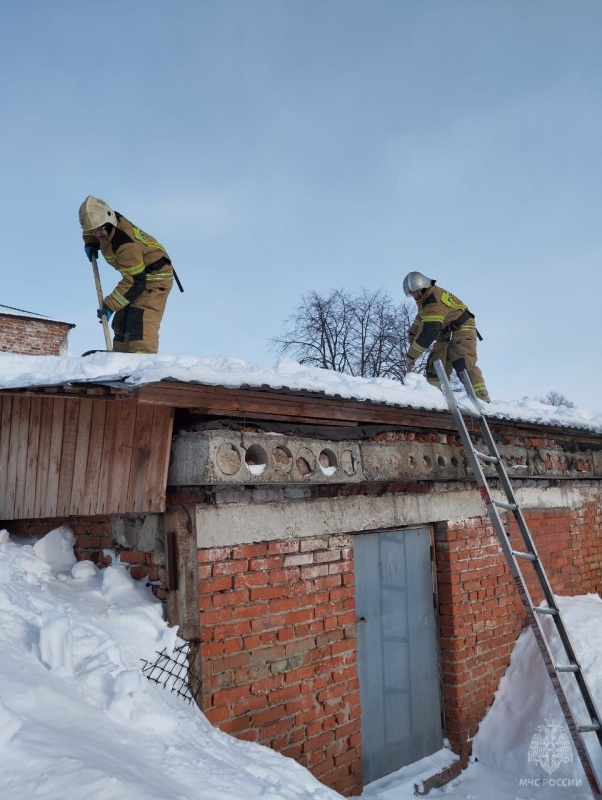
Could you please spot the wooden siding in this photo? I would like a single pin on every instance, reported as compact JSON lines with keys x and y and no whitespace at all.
{"x":63,"y":457}
{"x":286,"y":405}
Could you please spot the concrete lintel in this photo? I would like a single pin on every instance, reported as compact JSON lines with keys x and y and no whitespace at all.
{"x":226,"y":525}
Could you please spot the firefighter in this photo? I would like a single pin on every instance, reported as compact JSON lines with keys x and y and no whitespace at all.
{"x":445,"y":320}
{"x":138,"y":301}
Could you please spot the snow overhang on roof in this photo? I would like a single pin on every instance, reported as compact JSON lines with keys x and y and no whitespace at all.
{"x":218,"y":385}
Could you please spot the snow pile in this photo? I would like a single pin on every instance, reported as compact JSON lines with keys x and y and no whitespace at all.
{"x":526,"y":705}
{"x":77,"y":717}
{"x":18,"y":371}
{"x":506,"y":765}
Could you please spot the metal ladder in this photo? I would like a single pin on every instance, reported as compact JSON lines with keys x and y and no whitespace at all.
{"x":528,"y":554}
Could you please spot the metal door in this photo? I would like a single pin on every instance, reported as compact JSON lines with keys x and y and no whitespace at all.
{"x":397,"y":650}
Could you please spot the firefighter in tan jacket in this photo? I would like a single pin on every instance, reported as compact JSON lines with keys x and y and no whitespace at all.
{"x":138,"y":301}
{"x":445,"y":320}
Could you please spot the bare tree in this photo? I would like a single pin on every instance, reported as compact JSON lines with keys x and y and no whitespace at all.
{"x":364,"y":335}
{"x":554,"y":398}
{"x":319,"y":331}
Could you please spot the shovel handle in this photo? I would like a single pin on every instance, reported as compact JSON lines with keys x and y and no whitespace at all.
{"x":105,"y":323}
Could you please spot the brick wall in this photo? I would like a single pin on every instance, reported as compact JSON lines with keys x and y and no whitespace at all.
{"x":479,"y":609}
{"x":32,"y":336}
{"x":277,"y":618}
{"x":279,"y":651}
{"x":480,"y":617}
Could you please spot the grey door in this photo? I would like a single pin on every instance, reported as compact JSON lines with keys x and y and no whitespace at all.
{"x":397,"y":650}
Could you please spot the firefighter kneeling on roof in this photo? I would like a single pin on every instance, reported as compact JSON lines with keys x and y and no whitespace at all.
{"x":139,"y":298}
{"x":443,"y":319}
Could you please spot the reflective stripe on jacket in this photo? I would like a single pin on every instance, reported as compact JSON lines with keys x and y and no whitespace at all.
{"x":133,"y":253}
{"x":438,"y":310}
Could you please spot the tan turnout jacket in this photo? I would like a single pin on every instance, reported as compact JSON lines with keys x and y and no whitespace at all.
{"x":437,"y":310}
{"x":142,"y":262}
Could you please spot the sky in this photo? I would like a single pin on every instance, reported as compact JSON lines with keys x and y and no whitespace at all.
{"x":78,"y":717}
{"x":278,"y":147}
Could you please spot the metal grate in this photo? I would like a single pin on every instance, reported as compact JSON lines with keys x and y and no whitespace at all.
{"x":175,"y":671}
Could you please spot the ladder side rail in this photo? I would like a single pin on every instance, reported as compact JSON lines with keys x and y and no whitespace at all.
{"x":550,"y":662}
{"x":531,"y":548}
{"x":520,"y":520}
{"x":576,"y":735}
{"x":518,"y":577}
{"x":530,"y":545}
{"x":480,"y":478}
{"x":537,"y":563}
{"x":546,"y":586}
{"x":517,"y":513}
{"x":565,"y":707}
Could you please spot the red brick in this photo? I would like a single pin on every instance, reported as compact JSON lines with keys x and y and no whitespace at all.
{"x":249,"y":611}
{"x":251,"y":579}
{"x":298,"y":560}
{"x":213,"y":617}
{"x":307,"y":545}
{"x":227,"y":696}
{"x":316,"y":743}
{"x":265,"y":564}
{"x":287,"y":546}
{"x":233,"y":598}
{"x":296,"y":617}
{"x":250,"y":550}
{"x":233,"y":629}
{"x":212,"y":585}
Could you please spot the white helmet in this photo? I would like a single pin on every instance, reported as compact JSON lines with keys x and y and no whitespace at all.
{"x":93,"y":213}
{"x":414,"y":281}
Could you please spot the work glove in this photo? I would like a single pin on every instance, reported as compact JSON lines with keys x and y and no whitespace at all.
{"x":410,"y":365}
{"x":91,"y":250}
{"x":105,"y":313}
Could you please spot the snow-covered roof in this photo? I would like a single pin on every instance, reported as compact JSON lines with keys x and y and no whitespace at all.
{"x":20,"y":372}
{"x":9,"y":311}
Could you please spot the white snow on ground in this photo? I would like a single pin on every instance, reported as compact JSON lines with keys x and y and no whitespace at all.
{"x":17,"y":371}
{"x":524,"y":706}
{"x":79,"y":721}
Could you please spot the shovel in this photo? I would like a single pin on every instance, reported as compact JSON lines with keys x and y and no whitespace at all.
{"x":105,"y":323}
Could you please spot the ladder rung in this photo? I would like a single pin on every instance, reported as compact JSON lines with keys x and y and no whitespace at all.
{"x":594,"y":727}
{"x":570,"y":666}
{"x":509,"y":506}
{"x":485,"y":457}
{"x":529,"y":556}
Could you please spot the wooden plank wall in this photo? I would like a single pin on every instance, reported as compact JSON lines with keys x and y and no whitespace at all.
{"x":64,"y":457}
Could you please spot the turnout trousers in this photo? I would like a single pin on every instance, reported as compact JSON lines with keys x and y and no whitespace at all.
{"x":136,"y":327}
{"x":459,"y":353}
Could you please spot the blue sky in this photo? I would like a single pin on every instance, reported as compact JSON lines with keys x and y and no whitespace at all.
{"x":282,"y":146}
